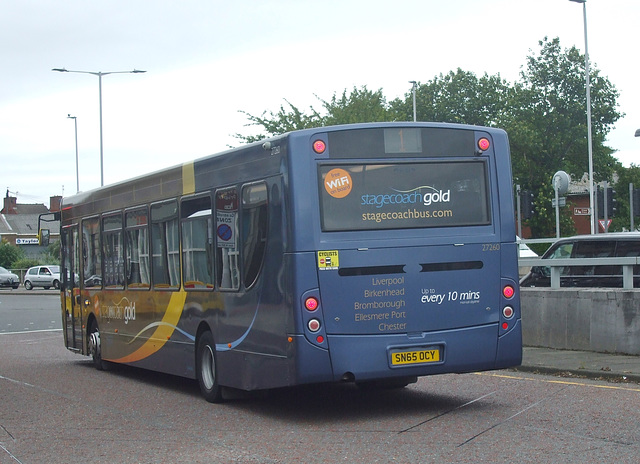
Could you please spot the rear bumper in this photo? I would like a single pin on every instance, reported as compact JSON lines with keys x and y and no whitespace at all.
{"x":367,"y":357}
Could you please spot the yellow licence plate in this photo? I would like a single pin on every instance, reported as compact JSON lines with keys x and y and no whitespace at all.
{"x":430,"y":355}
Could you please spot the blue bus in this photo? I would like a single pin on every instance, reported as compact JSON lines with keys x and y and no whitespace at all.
{"x":367,"y":253}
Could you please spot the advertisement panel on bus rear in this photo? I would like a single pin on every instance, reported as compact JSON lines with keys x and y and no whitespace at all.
{"x":403,"y":195}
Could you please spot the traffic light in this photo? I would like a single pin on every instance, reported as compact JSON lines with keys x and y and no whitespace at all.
{"x":527,"y":204}
{"x":600,"y":202}
{"x":612,"y":203}
{"x":636,"y":202}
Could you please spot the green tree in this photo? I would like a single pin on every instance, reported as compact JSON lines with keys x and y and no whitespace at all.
{"x":457,"y":97}
{"x":361,"y":105}
{"x":284,"y":120}
{"x":546,"y":122}
{"x":9,"y":254}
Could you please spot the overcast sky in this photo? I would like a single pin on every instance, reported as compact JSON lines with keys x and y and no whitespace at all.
{"x":208,"y":60}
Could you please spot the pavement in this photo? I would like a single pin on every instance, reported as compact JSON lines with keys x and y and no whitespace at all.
{"x":581,"y":364}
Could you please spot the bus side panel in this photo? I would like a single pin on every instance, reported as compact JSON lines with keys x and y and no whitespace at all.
{"x":510,"y":341}
{"x":510,"y":347}
{"x":310,"y":359}
{"x":505,"y":186}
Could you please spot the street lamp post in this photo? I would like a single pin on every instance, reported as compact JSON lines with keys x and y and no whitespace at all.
{"x":99,"y":74}
{"x":413,"y":91}
{"x":589,"y":141}
{"x":75,"y":123}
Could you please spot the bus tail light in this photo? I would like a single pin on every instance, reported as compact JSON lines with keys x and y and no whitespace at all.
{"x":311,"y":303}
{"x":508,"y":291}
{"x":319,"y":146}
{"x":507,"y":312}
{"x":484,"y":144}
{"x":313,"y":325}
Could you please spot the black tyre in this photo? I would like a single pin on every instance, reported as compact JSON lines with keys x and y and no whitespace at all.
{"x":207,"y":369}
{"x":95,"y":349}
{"x":28,"y":285}
{"x":56,"y":284}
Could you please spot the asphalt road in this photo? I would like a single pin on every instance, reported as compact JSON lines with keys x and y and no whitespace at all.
{"x":55,"y":408}
{"x":29,"y":310}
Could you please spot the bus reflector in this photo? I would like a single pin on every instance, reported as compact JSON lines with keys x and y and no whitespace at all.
{"x":505,"y":326}
{"x":319,"y":338}
{"x":311,"y":304}
{"x":508,"y":291}
{"x":319,"y":146}
{"x":484,"y":144}
{"x":507,"y":312}
{"x":314,"y":325}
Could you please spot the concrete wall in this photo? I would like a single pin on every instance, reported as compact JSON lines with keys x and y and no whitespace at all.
{"x":603,"y":320}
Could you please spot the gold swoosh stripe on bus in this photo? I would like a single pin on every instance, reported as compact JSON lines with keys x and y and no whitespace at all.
{"x":162,"y":333}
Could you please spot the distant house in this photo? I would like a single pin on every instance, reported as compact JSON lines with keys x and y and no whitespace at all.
{"x":19,"y":223}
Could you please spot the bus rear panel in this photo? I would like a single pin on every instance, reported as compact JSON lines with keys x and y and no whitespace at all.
{"x":415,"y":253}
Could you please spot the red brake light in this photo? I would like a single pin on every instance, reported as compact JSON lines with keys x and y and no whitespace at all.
{"x":311,"y":304}
{"x":508,"y":291}
{"x":484,"y":144}
{"x":319,"y":146}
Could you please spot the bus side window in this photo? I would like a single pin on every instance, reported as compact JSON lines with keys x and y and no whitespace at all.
{"x":113,"y":252}
{"x":165,"y":248}
{"x":197,"y":243}
{"x":254,"y":230}
{"x":137,"y":237}
{"x":91,"y":253}
{"x":227,"y":253}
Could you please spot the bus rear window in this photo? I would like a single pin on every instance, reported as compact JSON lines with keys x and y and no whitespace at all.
{"x":403,"y":195}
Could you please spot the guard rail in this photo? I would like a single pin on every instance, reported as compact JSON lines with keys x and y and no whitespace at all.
{"x":626,"y":262}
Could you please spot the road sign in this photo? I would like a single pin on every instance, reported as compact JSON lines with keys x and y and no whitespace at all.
{"x":581,"y":211}
{"x":602,"y":224}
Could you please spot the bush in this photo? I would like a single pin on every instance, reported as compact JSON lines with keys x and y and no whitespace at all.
{"x":26,"y":263}
{"x":9,"y":254}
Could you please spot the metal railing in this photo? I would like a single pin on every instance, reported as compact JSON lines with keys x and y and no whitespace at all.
{"x":555,"y":265}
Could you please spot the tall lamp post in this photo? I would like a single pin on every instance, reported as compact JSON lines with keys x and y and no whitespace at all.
{"x":75,"y":123}
{"x":99,"y":74}
{"x":589,"y":141}
{"x":413,"y":91}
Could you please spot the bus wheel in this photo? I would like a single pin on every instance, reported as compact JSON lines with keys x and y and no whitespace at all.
{"x":207,"y":369}
{"x":94,"y":347}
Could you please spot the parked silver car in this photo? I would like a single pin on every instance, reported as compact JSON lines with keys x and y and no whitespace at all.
{"x":42,"y":276}
{"x":8,"y":279}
